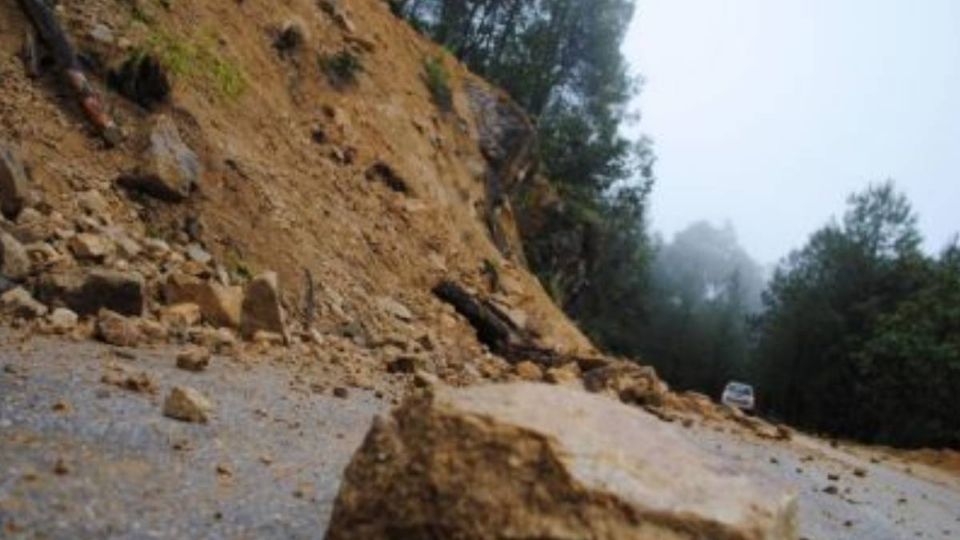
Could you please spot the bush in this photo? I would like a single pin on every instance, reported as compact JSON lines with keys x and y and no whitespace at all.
{"x":437,"y":80}
{"x":341,"y":68}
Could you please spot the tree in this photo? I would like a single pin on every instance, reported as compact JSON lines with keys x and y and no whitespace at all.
{"x":858,"y":335}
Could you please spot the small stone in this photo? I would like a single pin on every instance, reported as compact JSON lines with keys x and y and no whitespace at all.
{"x":91,"y":246}
{"x":60,"y":468}
{"x":196,"y":360}
{"x":529,"y":371}
{"x":860,"y":472}
{"x":181,"y":316}
{"x":341,"y":392}
{"x":18,"y":302}
{"x":118,"y":330}
{"x":92,"y":202}
{"x":102,"y":33}
{"x":14,"y":261}
{"x":395,"y":308}
{"x":188,"y":405}
{"x":833,"y":477}
{"x":422,"y":379}
{"x":831,"y":490}
{"x":63,"y":320}
{"x":197,"y":254}
{"x":564,"y":375}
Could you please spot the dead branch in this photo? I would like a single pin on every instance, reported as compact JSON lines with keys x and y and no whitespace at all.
{"x":52,"y":34}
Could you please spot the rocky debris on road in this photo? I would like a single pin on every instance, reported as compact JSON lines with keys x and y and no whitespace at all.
{"x":169,"y":169}
{"x":181,"y":316}
{"x":188,"y":405}
{"x":140,"y":383}
{"x":195,"y":359}
{"x":88,"y":290}
{"x":528,"y":371}
{"x":14,"y":184}
{"x":461,"y":464}
{"x":63,"y":320}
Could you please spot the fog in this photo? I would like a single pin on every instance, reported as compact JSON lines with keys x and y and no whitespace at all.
{"x":769,"y":113}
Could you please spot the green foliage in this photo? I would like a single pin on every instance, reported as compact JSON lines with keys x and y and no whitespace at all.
{"x":341,"y":68}
{"x":437,"y":79}
{"x":859,"y":336}
{"x":197,"y":60}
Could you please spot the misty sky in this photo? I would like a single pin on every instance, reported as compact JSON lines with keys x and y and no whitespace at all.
{"x":769,"y":112}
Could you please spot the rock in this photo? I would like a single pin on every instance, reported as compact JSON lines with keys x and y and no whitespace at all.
{"x":102,"y":33}
{"x":196,"y":360}
{"x":196,"y":253}
{"x":14,"y":261}
{"x":118,"y":330}
{"x":261,"y":307}
{"x":88,"y":291}
{"x":91,"y":246}
{"x":92,"y":202}
{"x":860,"y":472}
{"x":188,"y":405}
{"x":32,"y":226}
{"x":219,"y":305}
{"x":156,"y":249}
{"x":540,"y":461}
{"x":630,"y":382}
{"x":170,"y":170}
{"x":18,"y":302}
{"x":422,"y":379}
{"x":395,"y":308}
{"x":153,"y":331}
{"x":341,"y":392}
{"x":564,"y":375}
{"x":181,"y":316}
{"x":14,"y":184}
{"x":63,"y":320}
{"x":529,"y":371}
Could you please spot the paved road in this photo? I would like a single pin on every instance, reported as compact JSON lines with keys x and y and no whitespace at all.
{"x":280,"y":447}
{"x":132,"y":473}
{"x":891,"y":500}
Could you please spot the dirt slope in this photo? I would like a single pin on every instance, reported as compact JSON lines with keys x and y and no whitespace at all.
{"x":271,"y":196}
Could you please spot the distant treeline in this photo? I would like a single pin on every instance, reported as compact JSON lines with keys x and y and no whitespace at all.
{"x":857,"y":333}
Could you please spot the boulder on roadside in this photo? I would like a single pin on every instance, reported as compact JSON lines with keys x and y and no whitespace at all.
{"x":170,"y":170}
{"x":543,"y":461}
{"x":18,"y":302}
{"x":262,"y":310}
{"x":630,"y":382}
{"x":187,"y":405}
{"x":219,"y":305}
{"x":14,"y":184}
{"x":14,"y":260}
{"x":86,"y":292}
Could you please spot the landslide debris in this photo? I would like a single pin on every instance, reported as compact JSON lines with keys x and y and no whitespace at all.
{"x":534,"y":461}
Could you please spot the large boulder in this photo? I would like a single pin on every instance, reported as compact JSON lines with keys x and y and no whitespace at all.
{"x":538,"y":461}
{"x":14,"y":186}
{"x":169,"y":170}
{"x":219,"y":305}
{"x":262,"y":309}
{"x":88,"y":291}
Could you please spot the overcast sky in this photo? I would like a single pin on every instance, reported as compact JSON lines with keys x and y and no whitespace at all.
{"x":770,"y":112}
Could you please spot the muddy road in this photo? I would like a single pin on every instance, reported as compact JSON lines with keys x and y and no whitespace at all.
{"x":81,"y":457}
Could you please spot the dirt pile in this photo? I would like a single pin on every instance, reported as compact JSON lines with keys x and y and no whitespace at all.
{"x":532,"y":461}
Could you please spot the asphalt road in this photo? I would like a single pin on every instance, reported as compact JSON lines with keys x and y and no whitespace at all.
{"x":82,"y":458}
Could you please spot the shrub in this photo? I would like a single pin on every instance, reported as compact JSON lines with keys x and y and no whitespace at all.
{"x":341,"y":68}
{"x":437,"y":80}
